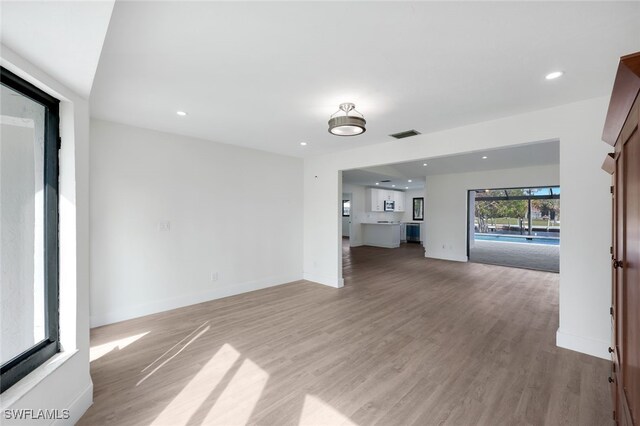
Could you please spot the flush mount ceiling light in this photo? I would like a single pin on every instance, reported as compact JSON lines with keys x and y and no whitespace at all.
{"x":303,"y":143}
{"x":554,"y":75}
{"x":341,"y":123}
{"x":181,"y":113}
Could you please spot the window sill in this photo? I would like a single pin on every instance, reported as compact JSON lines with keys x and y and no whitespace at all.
{"x":31,"y":380}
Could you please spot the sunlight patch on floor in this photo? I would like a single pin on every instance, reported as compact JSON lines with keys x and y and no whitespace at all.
{"x":237,"y":401}
{"x":96,"y":352}
{"x":191,"y":397}
{"x":317,"y":412}
{"x":174,"y":346}
{"x":193,"y":339}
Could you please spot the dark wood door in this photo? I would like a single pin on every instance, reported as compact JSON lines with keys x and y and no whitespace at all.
{"x":621,"y":131}
{"x":631,"y":267}
{"x":619,"y":309}
{"x":626,"y":275}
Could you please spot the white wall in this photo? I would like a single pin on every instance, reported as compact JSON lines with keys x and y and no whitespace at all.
{"x":232,"y":211}
{"x":408,"y":204}
{"x":63,"y":382}
{"x":446,"y":204}
{"x":585,"y":259}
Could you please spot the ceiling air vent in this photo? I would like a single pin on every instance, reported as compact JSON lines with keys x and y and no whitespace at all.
{"x":406,"y":134}
{"x":386,"y":181}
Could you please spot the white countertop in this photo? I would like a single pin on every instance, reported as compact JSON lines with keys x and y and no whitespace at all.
{"x":376,"y":223}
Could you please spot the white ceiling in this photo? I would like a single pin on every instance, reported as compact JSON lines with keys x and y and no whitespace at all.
{"x":64,"y":39}
{"x":267,"y":75}
{"x":535,"y":154}
{"x":369,"y":177}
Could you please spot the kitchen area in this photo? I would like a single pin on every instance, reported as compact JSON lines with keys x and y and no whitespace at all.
{"x":384,"y":213}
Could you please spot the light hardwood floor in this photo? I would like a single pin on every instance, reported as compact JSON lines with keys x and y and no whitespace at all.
{"x":408,"y":340}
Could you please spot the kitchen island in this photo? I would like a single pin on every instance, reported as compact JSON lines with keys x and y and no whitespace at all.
{"x":381,"y":234}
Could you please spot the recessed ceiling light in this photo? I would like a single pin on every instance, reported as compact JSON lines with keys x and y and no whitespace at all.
{"x":303,"y":143}
{"x":484,"y":157}
{"x":406,"y":187}
{"x":409,"y":181}
{"x":181,"y":113}
{"x":554,"y":75}
{"x":425,"y":164}
{"x":393,"y":186}
{"x":377,"y":183}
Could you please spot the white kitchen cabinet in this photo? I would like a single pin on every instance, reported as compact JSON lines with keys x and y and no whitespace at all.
{"x":399,"y":198}
{"x":375,"y":198}
{"x":374,"y":201}
{"x":385,"y":235}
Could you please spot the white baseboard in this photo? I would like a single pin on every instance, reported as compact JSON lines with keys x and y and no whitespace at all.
{"x":78,"y":407}
{"x":388,"y":246}
{"x":162,"y":305}
{"x":328,"y":281}
{"x":452,"y":258}
{"x":585,"y":345}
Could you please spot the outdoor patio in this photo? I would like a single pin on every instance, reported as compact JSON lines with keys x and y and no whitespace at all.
{"x":520,"y":255}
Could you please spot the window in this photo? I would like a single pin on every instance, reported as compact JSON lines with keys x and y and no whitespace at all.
{"x":518,"y":227}
{"x":346,"y":208}
{"x":28,"y":228}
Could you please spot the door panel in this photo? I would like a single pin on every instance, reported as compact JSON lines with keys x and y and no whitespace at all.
{"x":618,"y":273}
{"x":631,"y":278}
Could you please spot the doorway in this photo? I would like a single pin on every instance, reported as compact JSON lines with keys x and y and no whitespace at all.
{"x":516,"y":227}
{"x":346,"y":215}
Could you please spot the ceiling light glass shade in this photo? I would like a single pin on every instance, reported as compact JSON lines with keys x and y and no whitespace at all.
{"x":554,"y":75}
{"x":345,"y":123}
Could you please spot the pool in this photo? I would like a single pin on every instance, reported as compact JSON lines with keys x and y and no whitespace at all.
{"x":517,"y":239}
